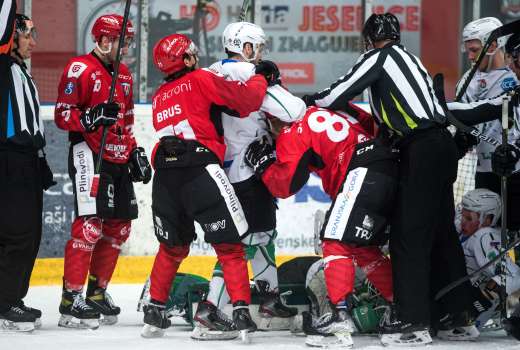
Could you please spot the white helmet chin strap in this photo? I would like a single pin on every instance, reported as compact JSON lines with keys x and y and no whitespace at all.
{"x":102,"y":51}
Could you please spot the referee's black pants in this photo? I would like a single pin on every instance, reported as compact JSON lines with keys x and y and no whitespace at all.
{"x":21,"y":197}
{"x":424,"y":247}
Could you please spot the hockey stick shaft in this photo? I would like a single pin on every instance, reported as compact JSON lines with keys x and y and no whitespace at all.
{"x":115,"y":74}
{"x":243,"y":10}
{"x":455,"y":284}
{"x":503,"y":231}
{"x":506,"y":29}
{"x":438,"y":85}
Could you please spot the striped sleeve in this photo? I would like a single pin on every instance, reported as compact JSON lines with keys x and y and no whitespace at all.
{"x":7,"y":18}
{"x":474,"y":113}
{"x":365,"y":72}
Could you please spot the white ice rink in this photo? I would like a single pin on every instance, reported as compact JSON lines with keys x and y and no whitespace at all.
{"x":126,"y":333}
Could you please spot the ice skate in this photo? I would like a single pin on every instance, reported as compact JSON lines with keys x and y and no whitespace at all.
{"x":458,"y":327}
{"x":99,"y":299}
{"x":37,"y":313}
{"x":155,"y":320}
{"x":243,"y":321}
{"x":271,"y":305}
{"x":16,"y":319}
{"x":331,"y":330}
{"x":212,"y":324}
{"x":75,"y":313}
{"x":394,"y":332}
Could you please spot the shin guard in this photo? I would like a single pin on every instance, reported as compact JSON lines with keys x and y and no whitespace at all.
{"x":234,"y":266}
{"x":339,"y":270}
{"x":164,"y":269}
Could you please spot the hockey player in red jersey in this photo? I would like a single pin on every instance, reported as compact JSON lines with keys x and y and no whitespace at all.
{"x":189,"y":183}
{"x":359,"y":173}
{"x":102,"y":223}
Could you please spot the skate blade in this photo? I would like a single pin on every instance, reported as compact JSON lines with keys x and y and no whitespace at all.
{"x":68,"y":321}
{"x":108,"y":320}
{"x":469,"y":333}
{"x":38,"y":324}
{"x":275,"y":323}
{"x":417,"y":338}
{"x":204,"y":333}
{"x":150,"y":331}
{"x":338,"y":340}
{"x":9,"y":326}
{"x":245,"y":336}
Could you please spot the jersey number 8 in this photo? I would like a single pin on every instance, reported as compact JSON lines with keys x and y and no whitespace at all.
{"x":335,"y":126}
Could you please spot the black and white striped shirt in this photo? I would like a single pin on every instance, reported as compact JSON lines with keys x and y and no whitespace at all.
{"x":400,"y":89}
{"x":20,"y":123}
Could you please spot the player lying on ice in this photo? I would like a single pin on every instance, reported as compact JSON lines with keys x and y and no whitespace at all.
{"x":359,"y":172}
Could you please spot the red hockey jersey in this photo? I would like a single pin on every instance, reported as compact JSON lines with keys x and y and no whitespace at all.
{"x":323,"y":142}
{"x":85,"y":82}
{"x":181,"y":107}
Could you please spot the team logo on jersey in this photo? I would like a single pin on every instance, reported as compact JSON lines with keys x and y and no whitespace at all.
{"x":126,"y":88}
{"x":482,"y":83}
{"x":69,"y":88}
{"x":508,"y":83}
{"x":76,"y":69}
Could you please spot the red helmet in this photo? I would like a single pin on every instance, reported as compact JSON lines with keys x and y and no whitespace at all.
{"x":110,"y":25}
{"x":168,"y":53}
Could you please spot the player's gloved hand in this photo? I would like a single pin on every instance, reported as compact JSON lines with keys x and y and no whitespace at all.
{"x":504,"y":159}
{"x":103,"y":114}
{"x":309,"y":100}
{"x":260,"y":154}
{"x":140,"y":169}
{"x":47,"y":177}
{"x":270,"y":71}
{"x":464,"y":142}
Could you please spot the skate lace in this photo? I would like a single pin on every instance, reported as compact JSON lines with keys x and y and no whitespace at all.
{"x":323,"y":320}
{"x":79,"y":302}
{"x":109,"y":300}
{"x":224,"y":318}
{"x":18,"y":310}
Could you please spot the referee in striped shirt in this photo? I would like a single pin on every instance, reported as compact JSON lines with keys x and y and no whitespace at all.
{"x":425,"y":251}
{"x":24,"y":172}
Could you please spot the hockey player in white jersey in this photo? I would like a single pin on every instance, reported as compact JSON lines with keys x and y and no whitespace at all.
{"x":492,"y":78}
{"x":244,"y":44}
{"x":480,"y":210}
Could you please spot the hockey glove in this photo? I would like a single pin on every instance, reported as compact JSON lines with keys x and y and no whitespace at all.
{"x":140,"y":170}
{"x":103,"y":114}
{"x":464,"y":142}
{"x":260,"y":154}
{"x":504,"y":159}
{"x":47,"y":177}
{"x":270,"y":71}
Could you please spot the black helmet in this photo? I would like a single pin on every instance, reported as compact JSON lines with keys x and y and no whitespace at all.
{"x":513,"y":45}
{"x":381,"y":27}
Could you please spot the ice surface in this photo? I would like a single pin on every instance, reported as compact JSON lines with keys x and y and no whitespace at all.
{"x":125,"y":334}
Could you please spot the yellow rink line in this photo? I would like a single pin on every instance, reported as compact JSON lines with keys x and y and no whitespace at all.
{"x":129,"y":269}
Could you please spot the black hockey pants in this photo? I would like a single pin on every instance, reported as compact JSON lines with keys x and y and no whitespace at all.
{"x":424,"y":247}
{"x":21,"y":196}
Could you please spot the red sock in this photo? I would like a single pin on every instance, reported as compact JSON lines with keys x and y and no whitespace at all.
{"x":232,"y":258}
{"x":377,"y":268}
{"x":339,"y":270}
{"x":165,"y":267}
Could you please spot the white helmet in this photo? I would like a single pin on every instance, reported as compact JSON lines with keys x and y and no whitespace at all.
{"x":238,"y":33}
{"x":480,"y":29}
{"x":483,"y":202}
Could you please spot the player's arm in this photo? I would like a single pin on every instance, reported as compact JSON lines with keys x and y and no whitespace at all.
{"x":364,"y":73}
{"x":7,"y":19}
{"x":485,"y":250}
{"x":283,"y":105}
{"x":243,"y":98}
{"x":474,"y":113}
{"x":129,"y":117}
{"x":73,"y":91}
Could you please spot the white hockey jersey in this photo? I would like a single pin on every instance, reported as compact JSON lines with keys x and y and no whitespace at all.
{"x":485,"y":85}
{"x":483,"y":246}
{"x":240,"y":132}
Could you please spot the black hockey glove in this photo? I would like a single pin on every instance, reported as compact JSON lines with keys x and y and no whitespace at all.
{"x":140,"y":169}
{"x":260,"y":154}
{"x":270,"y":71}
{"x":103,"y":114}
{"x":309,"y":100}
{"x":464,"y":142}
{"x":504,"y":159}
{"x":47,"y":177}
